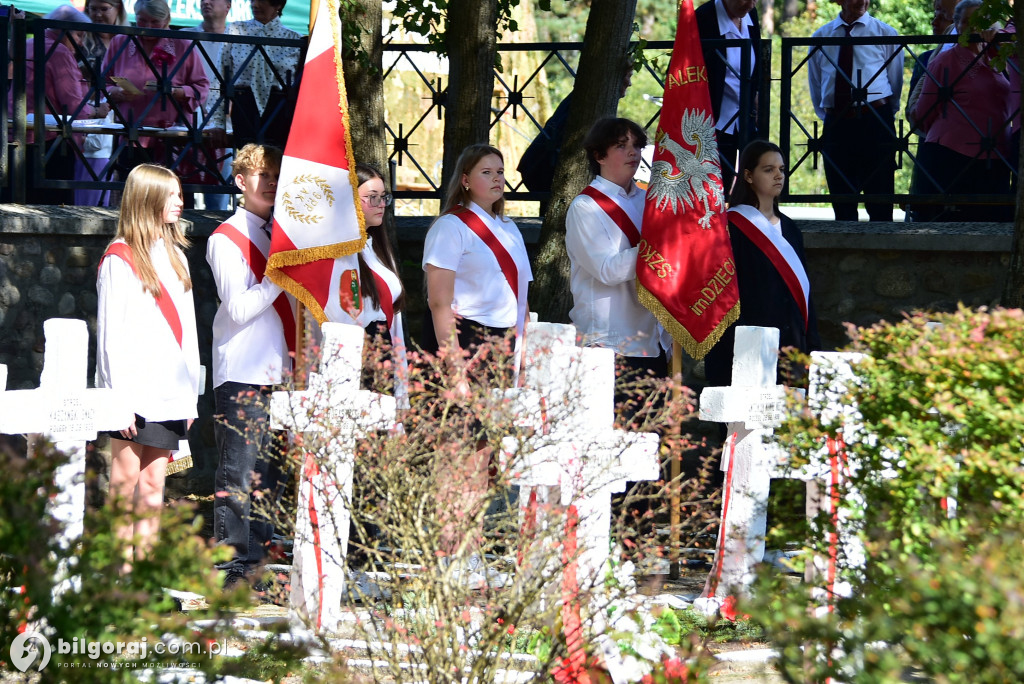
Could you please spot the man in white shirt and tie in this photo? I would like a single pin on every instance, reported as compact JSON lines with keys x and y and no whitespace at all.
{"x":858,"y":102}
{"x":731,"y":20}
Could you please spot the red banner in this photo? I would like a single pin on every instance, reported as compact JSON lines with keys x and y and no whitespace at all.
{"x":685,"y":270}
{"x":318,"y":220}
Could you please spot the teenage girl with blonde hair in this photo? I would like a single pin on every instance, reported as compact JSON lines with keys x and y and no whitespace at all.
{"x":146,"y":346}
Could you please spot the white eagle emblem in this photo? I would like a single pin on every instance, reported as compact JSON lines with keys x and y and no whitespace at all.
{"x":692,"y":184}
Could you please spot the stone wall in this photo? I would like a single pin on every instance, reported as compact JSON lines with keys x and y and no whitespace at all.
{"x":860,"y":273}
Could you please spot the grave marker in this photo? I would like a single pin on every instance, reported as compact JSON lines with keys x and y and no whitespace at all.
{"x":336,"y":413}
{"x":65,"y":410}
{"x":576,"y":457}
{"x":751,"y":407}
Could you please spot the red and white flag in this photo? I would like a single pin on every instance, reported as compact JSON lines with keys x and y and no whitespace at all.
{"x":685,"y":270}
{"x":318,"y":221}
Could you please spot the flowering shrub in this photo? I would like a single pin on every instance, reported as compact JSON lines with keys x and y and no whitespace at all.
{"x":941,"y":416}
{"x":97,"y":604}
{"x":459,"y":585}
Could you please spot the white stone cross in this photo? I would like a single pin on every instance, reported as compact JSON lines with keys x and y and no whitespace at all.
{"x":751,"y":407}
{"x":831,"y":377}
{"x":575,"y":454}
{"x":66,"y":411}
{"x":334,"y":413}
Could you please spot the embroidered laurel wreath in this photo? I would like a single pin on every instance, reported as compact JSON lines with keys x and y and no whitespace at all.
{"x":300,"y":204}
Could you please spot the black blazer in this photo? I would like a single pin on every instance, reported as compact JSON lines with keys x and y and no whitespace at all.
{"x":707,"y":27}
{"x":765,"y":301}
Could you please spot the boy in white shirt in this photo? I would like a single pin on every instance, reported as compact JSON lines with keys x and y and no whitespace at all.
{"x":602,"y":229}
{"x":253,"y":333}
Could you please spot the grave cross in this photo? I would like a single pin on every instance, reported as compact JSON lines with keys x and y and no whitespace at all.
{"x":832,"y":375}
{"x":575,"y":454}
{"x":66,"y":411}
{"x":751,"y":407}
{"x":336,"y":413}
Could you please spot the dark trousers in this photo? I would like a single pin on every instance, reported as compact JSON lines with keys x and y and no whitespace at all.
{"x":629,"y":372}
{"x":249,"y":463}
{"x":728,"y":148}
{"x":859,"y":150}
{"x":270,"y":128}
{"x":61,"y":166}
{"x":940,"y":170}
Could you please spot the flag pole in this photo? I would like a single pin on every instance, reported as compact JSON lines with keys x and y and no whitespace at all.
{"x":675,"y":468}
{"x":314,"y":7}
{"x":300,"y":308}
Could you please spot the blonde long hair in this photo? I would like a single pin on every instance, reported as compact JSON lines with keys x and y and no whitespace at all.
{"x":141,"y":223}
{"x":466,"y":162}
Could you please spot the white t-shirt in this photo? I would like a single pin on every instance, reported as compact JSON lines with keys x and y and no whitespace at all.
{"x":482,"y":293}
{"x":136,"y":351}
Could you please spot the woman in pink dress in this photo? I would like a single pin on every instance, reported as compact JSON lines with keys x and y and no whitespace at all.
{"x":135,"y":76}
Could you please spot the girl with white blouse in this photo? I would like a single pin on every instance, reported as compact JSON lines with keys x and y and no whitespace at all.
{"x":477,"y":278}
{"x":475,"y":259}
{"x":146,"y":346}
{"x":382,"y":292}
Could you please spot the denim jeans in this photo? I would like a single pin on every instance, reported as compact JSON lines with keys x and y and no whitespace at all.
{"x":248,"y":454}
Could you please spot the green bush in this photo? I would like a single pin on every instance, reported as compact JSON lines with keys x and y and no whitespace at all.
{"x":100,"y":606}
{"x":942,"y":414}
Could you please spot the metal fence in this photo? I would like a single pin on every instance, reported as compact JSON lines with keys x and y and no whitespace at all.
{"x":44,"y":129}
{"x":932,"y":180}
{"x":533,"y":78}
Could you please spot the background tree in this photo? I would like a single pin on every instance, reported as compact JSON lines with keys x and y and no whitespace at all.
{"x":364,"y":80}
{"x":471,"y":42}
{"x":603,"y":66}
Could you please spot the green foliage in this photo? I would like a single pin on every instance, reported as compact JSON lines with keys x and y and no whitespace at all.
{"x":96,"y":602}
{"x":429,"y":18}
{"x":942,"y":413}
{"x":908,"y":18}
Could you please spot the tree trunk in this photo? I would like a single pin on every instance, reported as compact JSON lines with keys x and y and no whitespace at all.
{"x":1013,"y":291}
{"x":471,"y":39}
{"x":364,"y":83}
{"x":596,"y":93}
{"x":768,"y":18}
{"x":790,"y":8}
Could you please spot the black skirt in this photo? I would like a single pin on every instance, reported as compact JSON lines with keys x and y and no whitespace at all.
{"x":164,"y":434}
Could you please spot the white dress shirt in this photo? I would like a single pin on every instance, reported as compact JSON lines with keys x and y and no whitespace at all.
{"x":482,"y":293}
{"x":605,"y":309}
{"x":371,"y":313}
{"x":248,"y":336}
{"x":869,"y":59}
{"x":136,"y":351}
{"x":728,"y":115}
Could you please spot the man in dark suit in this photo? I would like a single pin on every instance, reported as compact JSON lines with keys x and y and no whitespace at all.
{"x":731,"y":19}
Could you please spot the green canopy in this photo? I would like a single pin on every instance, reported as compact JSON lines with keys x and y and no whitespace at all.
{"x":186,"y":12}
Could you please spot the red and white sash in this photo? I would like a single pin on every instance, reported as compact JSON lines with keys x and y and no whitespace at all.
{"x":380,"y":273}
{"x":163,"y":300}
{"x":483,"y":231}
{"x":616,"y":213}
{"x":784,"y":258}
{"x":257,"y":262}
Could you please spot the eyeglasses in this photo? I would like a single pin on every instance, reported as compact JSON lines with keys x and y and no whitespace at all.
{"x":378,"y":200}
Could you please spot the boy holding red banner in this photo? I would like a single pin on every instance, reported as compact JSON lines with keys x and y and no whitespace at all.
{"x":253,"y":338}
{"x":602,"y":234}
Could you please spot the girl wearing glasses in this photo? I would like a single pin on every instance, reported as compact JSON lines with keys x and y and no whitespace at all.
{"x":383,"y":294}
